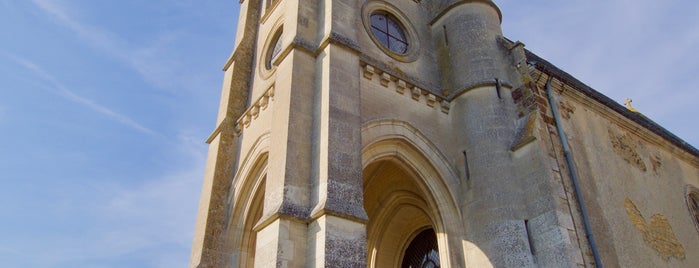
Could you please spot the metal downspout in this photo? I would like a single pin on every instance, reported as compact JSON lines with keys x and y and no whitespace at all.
{"x":573,"y":172}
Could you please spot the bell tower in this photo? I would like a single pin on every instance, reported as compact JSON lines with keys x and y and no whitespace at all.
{"x":371,"y":134}
{"x":283,"y":185}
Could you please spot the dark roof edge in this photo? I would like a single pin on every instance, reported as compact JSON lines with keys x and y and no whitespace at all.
{"x":568,"y":79}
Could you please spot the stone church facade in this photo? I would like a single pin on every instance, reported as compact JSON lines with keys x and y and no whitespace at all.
{"x":411,"y":133}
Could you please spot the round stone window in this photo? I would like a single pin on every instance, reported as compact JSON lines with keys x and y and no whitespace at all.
{"x":422,"y":251}
{"x":388,"y":30}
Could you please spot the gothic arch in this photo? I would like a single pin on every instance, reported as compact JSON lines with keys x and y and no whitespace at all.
{"x":401,"y":148}
{"x":246,"y":203}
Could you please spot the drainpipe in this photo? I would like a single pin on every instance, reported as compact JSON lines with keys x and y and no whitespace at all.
{"x":573,"y":172}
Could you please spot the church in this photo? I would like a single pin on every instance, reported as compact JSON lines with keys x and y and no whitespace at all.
{"x":412,"y":133}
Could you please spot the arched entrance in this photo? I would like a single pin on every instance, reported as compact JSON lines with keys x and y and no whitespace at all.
{"x":248,"y":199}
{"x":398,"y":210}
{"x":408,"y":190}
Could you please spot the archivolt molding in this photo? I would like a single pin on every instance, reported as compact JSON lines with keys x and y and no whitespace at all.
{"x":251,"y":160}
{"x":395,"y":133}
{"x":392,"y":206}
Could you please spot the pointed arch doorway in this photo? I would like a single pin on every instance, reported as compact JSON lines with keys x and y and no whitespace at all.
{"x":409,"y":187}
{"x":402,"y":221}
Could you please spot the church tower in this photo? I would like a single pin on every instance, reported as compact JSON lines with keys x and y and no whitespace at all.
{"x":378,"y":133}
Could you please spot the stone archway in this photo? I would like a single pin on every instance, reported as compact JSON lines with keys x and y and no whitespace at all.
{"x":408,"y":187}
{"x":398,"y":209}
{"x":247,"y":202}
{"x":246,"y":213}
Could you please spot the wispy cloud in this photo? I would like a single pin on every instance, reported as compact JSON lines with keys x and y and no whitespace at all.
{"x":57,"y":87}
{"x":149,"y":60}
{"x":97,"y":37}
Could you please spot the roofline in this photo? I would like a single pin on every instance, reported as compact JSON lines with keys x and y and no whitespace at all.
{"x":551,"y":70}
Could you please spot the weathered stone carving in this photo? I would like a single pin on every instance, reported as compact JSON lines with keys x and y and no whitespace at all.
{"x":626,"y":147}
{"x":656,"y":164}
{"x":658,"y":234}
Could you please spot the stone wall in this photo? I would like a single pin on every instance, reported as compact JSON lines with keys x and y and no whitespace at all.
{"x":633,"y":183}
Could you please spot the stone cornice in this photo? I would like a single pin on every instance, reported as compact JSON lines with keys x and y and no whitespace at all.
{"x":417,"y":93}
{"x":254,"y":110}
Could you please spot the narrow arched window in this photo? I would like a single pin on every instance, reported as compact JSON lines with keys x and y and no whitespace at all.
{"x":422,"y":251}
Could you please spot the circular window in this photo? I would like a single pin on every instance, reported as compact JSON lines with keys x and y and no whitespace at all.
{"x":274,"y":50}
{"x":693,"y":204}
{"x":422,"y":251}
{"x":389,"y":32}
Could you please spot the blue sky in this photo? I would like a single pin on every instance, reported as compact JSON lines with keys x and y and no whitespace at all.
{"x":105,"y":106}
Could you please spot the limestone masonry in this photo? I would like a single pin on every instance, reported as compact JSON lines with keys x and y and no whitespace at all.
{"x":411,"y":133}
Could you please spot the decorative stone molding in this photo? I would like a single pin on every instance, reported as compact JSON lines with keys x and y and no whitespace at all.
{"x":401,"y":86}
{"x":445,"y":105}
{"x":431,"y":99}
{"x":416,"y":93}
{"x":385,"y":79}
{"x":254,"y":110}
{"x":369,"y":72}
